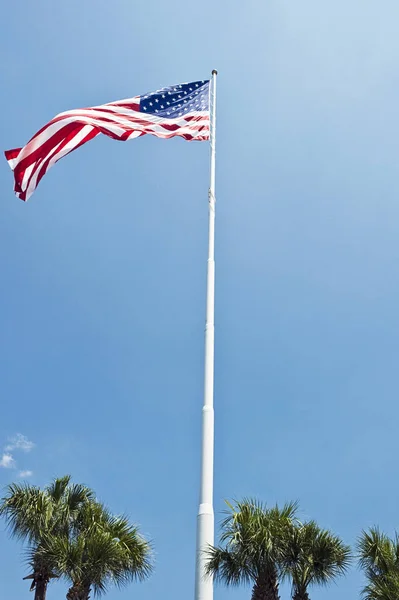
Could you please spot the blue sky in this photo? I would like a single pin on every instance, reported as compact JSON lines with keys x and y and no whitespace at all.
{"x":103,"y":270}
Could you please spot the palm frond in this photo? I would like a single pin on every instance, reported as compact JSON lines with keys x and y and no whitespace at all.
{"x":376,"y":551}
{"x":101,"y":550}
{"x":227,"y":566}
{"x":378,"y":556}
{"x":58,"y":487}
{"x":313,"y":556}
{"x":72,"y":535}
{"x":27,"y":511}
{"x":252,"y":541}
{"x":78,"y":494}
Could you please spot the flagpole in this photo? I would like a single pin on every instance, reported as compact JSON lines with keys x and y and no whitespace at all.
{"x":205,"y":522}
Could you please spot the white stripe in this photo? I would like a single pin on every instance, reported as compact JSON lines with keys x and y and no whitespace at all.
{"x":27,"y":174}
{"x":13,"y":162}
{"x":134,"y":100}
{"x":134,"y":134}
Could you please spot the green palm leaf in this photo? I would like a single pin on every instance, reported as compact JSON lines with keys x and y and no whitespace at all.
{"x":71,"y":535}
{"x":252,"y":546}
{"x":313,"y":556}
{"x":379,"y":559}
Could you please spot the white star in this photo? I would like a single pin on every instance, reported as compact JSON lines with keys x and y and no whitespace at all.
{"x":168,"y":113}
{"x":162,"y":106}
{"x":156,"y":110}
{"x":185,"y":93}
{"x":163,"y":95}
{"x":179,"y":96}
{"x":191,"y":89}
{"x":168,"y":103}
{"x":156,"y":100}
{"x":145,"y":108}
{"x":150,"y":103}
{"x":196,"y":85}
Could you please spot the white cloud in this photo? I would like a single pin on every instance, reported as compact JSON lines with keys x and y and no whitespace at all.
{"x":19,"y":442}
{"x":7,"y":461}
{"x":25,"y":474}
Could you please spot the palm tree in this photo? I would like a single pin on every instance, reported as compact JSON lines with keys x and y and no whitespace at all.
{"x":253,"y":542}
{"x":99,"y":550}
{"x":379,"y":559}
{"x":33,"y":515}
{"x":313,"y":556}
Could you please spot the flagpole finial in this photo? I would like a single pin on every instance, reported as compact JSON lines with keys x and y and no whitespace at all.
{"x":214,"y":72}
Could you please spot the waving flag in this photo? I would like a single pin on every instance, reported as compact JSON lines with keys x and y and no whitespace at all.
{"x":180,"y":110}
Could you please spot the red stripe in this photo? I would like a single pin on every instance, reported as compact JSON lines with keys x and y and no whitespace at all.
{"x":11,"y":154}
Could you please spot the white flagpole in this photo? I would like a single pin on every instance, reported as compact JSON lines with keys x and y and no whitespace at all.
{"x":205,"y":523}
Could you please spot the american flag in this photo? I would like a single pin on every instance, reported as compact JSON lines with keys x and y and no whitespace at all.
{"x":179,"y":110}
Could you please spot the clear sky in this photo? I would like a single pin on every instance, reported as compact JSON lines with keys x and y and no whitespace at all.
{"x":103,"y":271}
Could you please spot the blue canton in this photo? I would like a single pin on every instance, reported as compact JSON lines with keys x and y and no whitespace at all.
{"x":176,"y":101}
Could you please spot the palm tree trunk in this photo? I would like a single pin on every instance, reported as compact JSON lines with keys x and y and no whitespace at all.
{"x":79,"y":591}
{"x":39,"y":584}
{"x":41,"y":588}
{"x":266,"y":587}
{"x":300,"y":595}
